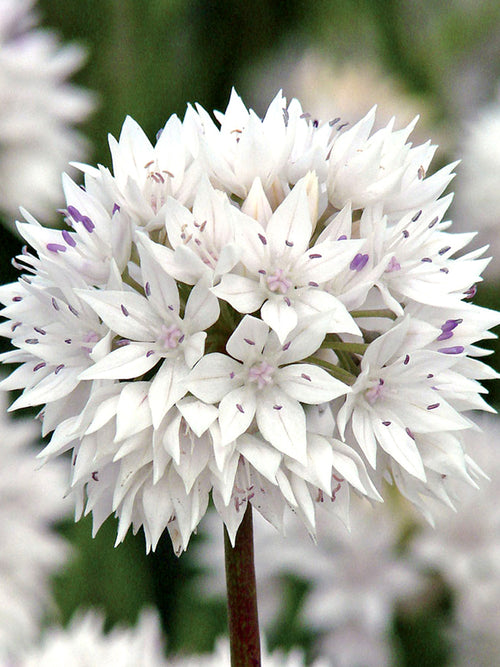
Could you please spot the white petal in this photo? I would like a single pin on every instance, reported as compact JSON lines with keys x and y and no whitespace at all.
{"x":281,"y":317}
{"x":198,"y":415}
{"x":248,"y":339}
{"x":291,"y":222}
{"x":264,"y":458}
{"x":167,"y":388}
{"x":309,"y":384}
{"x":202,"y":308}
{"x":164,"y":294}
{"x":282,"y":422}
{"x":244,"y":294}
{"x":236,"y":412}
{"x":133,"y":413}
{"x":395,"y":440}
{"x":126,"y":362}
{"x":211,"y":379}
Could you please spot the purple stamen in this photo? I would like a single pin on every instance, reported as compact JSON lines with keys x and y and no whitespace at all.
{"x":122,"y":342}
{"x":68,"y":238}
{"x":451,"y":324}
{"x":124,"y":310}
{"x":433,"y":222}
{"x":149,"y":353}
{"x":431,"y":375}
{"x":306,"y":377}
{"x":58,"y":369}
{"x":88,"y":224}
{"x":277,"y":407}
{"x":444,"y":270}
{"x":147,"y":289}
{"x":457,"y":349}
{"x":343,"y":237}
{"x":55,"y":304}
{"x":286,"y":346}
{"x":445,"y":335}
{"x":444,"y":250}
{"x":68,"y":341}
{"x":433,"y":406}
{"x":15,"y":325}
{"x":16,"y":299}
{"x":409,"y":433}
{"x":73,"y":310}
{"x":75,"y":213}
{"x":426,"y":259}
{"x":386,"y":423}
{"x":231,"y":375}
{"x":240,"y":408}
{"x":31,"y":341}
{"x":315,"y":255}
{"x":56,"y":247}
{"x":116,"y":208}
{"x":471,"y":292}
{"x":262,"y":239}
{"x":289,"y":244}
{"x":40,"y":331}
{"x":406,"y":233}
{"x":359,"y":262}
{"x":287,"y":301}
{"x":249,"y":342}
{"x":416,"y":216}
{"x":42,"y":364}
{"x":406,"y":360}
{"x":311,"y":283}
{"x":262,"y":272}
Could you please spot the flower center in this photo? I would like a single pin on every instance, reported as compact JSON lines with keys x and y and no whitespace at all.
{"x":261,"y":373}
{"x":375,"y":392}
{"x":157,"y":186}
{"x":278,"y":282}
{"x":91,"y":337}
{"x":170,"y":336}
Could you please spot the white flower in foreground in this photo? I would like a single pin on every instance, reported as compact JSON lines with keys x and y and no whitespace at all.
{"x":30,"y":504}
{"x":37,"y":112}
{"x":355,"y":580}
{"x":221,"y":658}
{"x":84,"y":644}
{"x":270,"y":312}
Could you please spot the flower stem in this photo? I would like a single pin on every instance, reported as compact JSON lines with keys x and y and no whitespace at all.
{"x":382,"y":312}
{"x":336,"y":371}
{"x":243,"y":620}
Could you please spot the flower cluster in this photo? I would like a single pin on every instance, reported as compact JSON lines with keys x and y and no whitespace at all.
{"x":38,"y":110}
{"x":268,"y":310}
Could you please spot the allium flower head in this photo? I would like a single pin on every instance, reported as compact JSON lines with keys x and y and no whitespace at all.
{"x":37,"y":111}
{"x":30,"y":504}
{"x":270,"y":311}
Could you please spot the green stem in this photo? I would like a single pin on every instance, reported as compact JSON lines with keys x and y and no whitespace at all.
{"x":382,"y":312}
{"x":357,"y":348}
{"x":336,"y":371}
{"x":243,"y":620}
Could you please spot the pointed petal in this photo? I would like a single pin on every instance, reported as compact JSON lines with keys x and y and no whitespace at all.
{"x":282,"y":422}
{"x":309,"y":384}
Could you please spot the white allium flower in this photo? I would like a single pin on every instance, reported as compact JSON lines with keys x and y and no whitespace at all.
{"x":30,"y":504}
{"x":264,"y":311}
{"x":221,"y":658}
{"x":37,"y":112}
{"x":84,"y":643}
{"x":355,"y":579}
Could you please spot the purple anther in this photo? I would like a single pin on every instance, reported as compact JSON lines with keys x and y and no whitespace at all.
{"x":386,"y":423}
{"x":31,"y":341}
{"x":231,"y":375}
{"x":122,"y":342}
{"x":58,"y":369}
{"x":426,"y":259}
{"x":449,"y":325}
{"x":343,"y":237}
{"x":75,"y":213}
{"x":315,"y":255}
{"x":68,"y":238}
{"x":124,"y":310}
{"x":333,"y":122}
{"x":88,"y":224}
{"x":149,"y":353}
{"x":286,"y":346}
{"x":240,"y":408}
{"x":116,"y":208}
{"x":289,"y":244}
{"x":457,"y":349}
{"x":249,"y":342}
{"x":56,"y":247}
{"x":359,"y":262}
{"x":393,"y":265}
{"x":431,"y":375}
{"x":444,"y":270}
{"x":170,"y":307}
{"x":15,"y":325}
{"x":311,"y":283}
{"x":55,"y":305}
{"x":409,"y":433}
{"x":16,"y":299}
{"x":287,"y":301}
{"x":147,"y":289}
{"x":95,"y":476}
{"x":306,"y":377}
{"x":262,"y":238}
{"x":406,"y":360}
{"x":471,"y":292}
{"x":433,"y":406}
{"x":262,"y":272}
{"x":433,"y":222}
{"x":181,"y":338}
{"x":406,"y":233}
{"x":72,"y":310}
{"x":40,"y":331}
{"x":416,"y":216}
{"x":444,"y":250}
{"x":42,"y":364}
{"x":67,"y":341}
{"x":445,"y":335}
{"x":277,"y":407}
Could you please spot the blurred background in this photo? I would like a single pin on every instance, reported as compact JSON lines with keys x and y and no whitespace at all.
{"x":149,"y":60}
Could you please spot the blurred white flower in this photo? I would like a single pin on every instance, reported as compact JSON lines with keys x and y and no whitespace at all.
{"x":269,"y":311}
{"x":84,"y":644}
{"x":30,"y":504}
{"x":38,"y":111}
{"x":355,"y":579}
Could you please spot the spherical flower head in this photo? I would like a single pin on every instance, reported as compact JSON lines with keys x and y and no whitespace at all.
{"x":267,"y":311}
{"x":30,"y":505}
{"x":84,"y":642}
{"x":38,"y":111}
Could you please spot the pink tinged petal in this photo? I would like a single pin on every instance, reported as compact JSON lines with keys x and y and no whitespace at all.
{"x":244,"y":294}
{"x":140,"y":323}
{"x":133,"y":414}
{"x":282,"y":422}
{"x":280,"y":315}
{"x":167,"y":388}
{"x":162,"y":289}
{"x":248,"y":339}
{"x":263,"y":458}
{"x":309,"y":384}
{"x":213,"y":377}
{"x":202,"y":308}
{"x":127,"y":362}
{"x":397,"y":442}
{"x":199,"y":416}
{"x":291,"y":222}
{"x":236,"y":412}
